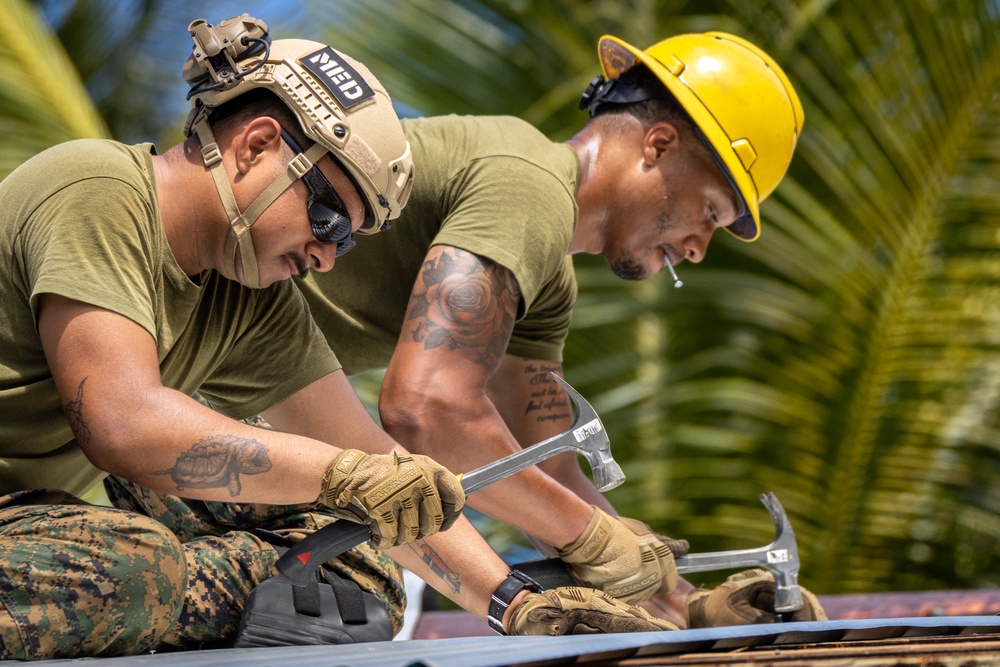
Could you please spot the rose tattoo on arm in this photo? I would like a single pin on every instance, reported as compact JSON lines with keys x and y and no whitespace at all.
{"x":465,"y":303}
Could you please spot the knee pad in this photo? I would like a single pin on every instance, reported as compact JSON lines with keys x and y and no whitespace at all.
{"x":335,"y":611}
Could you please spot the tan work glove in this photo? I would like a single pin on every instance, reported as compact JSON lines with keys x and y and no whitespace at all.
{"x":744,"y":599}
{"x":576,"y":611}
{"x":623,"y":558}
{"x":400,"y":498}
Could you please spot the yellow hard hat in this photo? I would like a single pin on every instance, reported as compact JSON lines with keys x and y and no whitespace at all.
{"x":737,"y":96}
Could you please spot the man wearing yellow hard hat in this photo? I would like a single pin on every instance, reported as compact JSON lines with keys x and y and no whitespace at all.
{"x":744,"y":109}
{"x":467,"y":300}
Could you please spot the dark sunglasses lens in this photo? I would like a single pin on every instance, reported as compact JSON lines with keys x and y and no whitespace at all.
{"x":344,"y":246}
{"x":330,"y":227}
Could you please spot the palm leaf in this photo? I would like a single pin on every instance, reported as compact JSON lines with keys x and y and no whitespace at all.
{"x":42,"y":101}
{"x":531,"y":59}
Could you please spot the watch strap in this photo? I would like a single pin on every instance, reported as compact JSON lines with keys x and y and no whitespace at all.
{"x":515,"y":582}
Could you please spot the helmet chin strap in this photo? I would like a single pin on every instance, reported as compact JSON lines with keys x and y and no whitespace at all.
{"x":240,"y":223}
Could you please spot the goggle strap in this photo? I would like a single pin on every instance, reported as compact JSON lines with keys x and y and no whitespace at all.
{"x":239,"y":226}
{"x":296,"y":169}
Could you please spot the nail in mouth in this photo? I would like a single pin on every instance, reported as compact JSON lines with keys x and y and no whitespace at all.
{"x":670,"y":267}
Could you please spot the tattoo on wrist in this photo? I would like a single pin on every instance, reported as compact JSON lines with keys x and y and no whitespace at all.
{"x":218,"y":461}
{"x":74,"y":414}
{"x":465,"y":303}
{"x":547,"y":402}
{"x":437,"y":565}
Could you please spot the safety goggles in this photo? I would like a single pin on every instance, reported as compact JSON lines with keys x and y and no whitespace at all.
{"x":328,"y":216}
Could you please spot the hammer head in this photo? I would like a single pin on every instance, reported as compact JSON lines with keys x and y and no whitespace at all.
{"x":592,"y":441}
{"x":783,"y":558}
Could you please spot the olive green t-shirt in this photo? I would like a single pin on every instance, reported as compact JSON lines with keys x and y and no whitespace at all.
{"x":493,"y":186}
{"x":82,"y":220}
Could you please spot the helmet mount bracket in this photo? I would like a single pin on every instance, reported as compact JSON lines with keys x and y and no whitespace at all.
{"x":219,"y":51}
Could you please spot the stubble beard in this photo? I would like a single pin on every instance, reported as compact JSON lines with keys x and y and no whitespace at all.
{"x":627,"y":267}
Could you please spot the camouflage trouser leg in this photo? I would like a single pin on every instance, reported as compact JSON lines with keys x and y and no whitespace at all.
{"x":226,"y":560}
{"x":81,"y":580}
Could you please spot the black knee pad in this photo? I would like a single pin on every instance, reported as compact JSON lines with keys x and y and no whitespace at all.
{"x":336,"y":611}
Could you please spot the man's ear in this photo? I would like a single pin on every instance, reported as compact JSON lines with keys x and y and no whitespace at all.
{"x":659,"y":140}
{"x":258,"y":137}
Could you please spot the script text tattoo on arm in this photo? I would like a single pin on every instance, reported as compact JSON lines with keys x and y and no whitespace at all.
{"x":465,"y":303}
{"x":547,"y":402}
{"x":218,"y":461}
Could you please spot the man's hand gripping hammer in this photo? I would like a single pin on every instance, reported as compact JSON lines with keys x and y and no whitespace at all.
{"x":780,"y":558}
{"x":587,"y":437}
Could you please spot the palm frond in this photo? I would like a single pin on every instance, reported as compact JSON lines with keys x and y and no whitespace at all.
{"x":42,"y":101}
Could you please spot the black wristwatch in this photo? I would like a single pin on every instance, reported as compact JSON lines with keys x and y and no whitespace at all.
{"x":500,"y":600}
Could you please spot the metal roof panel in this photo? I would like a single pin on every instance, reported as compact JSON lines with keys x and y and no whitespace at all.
{"x":502,"y":651}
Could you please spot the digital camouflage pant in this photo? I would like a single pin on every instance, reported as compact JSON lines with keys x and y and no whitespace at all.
{"x":154,"y":572}
{"x":226,"y":558}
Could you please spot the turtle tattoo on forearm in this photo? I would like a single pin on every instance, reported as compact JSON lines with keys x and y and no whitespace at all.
{"x":218,"y":461}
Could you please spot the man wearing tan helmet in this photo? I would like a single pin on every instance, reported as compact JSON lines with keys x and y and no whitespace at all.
{"x":133,"y":279}
{"x":468,"y":300}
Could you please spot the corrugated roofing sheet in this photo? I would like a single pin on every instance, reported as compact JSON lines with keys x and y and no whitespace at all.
{"x":549,"y":651}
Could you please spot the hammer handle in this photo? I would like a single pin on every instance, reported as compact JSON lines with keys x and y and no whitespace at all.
{"x":553,"y":573}
{"x":299,"y":564}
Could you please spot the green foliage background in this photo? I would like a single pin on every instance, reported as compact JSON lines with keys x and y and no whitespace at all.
{"x":849,"y":361}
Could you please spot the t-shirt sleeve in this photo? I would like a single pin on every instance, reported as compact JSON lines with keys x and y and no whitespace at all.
{"x":520,"y":216}
{"x":279,"y":351}
{"x":499,"y":208}
{"x":541,"y":333}
{"x":90,"y":242}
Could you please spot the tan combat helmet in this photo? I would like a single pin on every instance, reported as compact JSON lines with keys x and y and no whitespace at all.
{"x":339,"y":104}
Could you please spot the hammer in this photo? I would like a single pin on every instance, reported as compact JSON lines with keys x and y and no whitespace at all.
{"x":780,"y":558}
{"x":586,"y":436}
